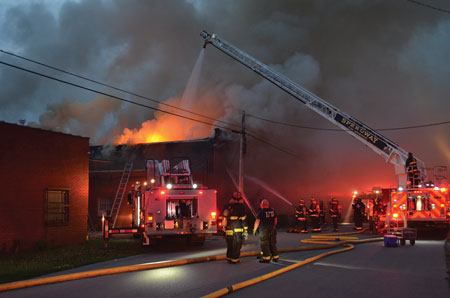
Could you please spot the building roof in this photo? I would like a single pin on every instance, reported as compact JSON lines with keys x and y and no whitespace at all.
{"x":4,"y":123}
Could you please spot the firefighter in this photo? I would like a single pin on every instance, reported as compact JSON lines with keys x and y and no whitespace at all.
{"x":236,"y":229}
{"x":334,"y":213}
{"x":412,"y":170}
{"x":266,"y":221}
{"x":358,"y":215}
{"x":314,"y":212}
{"x":301,"y":215}
{"x":322,"y":221}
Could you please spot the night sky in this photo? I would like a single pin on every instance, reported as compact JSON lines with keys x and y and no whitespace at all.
{"x":385,"y":62}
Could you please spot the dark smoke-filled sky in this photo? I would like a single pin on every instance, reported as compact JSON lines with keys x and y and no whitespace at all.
{"x":385,"y":62}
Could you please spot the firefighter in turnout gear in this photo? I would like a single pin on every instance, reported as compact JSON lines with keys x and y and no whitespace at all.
{"x":236,"y":229}
{"x":301,"y":214}
{"x":412,"y":170}
{"x":322,"y":221}
{"x":314,"y":212}
{"x":358,"y":215}
{"x":266,"y":221}
{"x":335,"y":213}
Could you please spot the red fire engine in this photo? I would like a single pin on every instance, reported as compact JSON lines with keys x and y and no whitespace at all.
{"x":170,"y":204}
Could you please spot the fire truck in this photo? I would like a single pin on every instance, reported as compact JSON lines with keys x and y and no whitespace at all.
{"x":424,"y":207}
{"x":420,"y":203}
{"x":170,"y":204}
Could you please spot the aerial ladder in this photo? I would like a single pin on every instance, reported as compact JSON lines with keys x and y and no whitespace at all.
{"x":389,"y":150}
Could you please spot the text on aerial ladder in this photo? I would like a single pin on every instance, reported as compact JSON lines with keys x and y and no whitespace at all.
{"x":360,"y":131}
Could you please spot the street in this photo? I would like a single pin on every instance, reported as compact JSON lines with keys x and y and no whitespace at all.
{"x":369,"y":270}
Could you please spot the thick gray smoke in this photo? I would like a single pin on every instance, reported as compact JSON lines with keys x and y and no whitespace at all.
{"x":384,"y":62}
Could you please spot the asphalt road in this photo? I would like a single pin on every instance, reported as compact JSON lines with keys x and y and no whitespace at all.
{"x":369,"y":270}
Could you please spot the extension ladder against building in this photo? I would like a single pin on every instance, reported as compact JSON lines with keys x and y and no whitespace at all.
{"x":120,"y":192}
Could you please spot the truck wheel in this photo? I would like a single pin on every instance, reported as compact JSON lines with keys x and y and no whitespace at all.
{"x":412,"y":241}
{"x":195,"y":240}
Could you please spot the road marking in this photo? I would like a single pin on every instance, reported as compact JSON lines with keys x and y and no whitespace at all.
{"x":344,"y":266}
{"x":285,"y":262}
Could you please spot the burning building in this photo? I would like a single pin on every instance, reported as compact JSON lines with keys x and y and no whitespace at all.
{"x":209,"y":160}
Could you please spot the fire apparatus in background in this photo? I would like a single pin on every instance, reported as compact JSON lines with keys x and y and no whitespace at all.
{"x":423,"y":204}
{"x":425,"y":207}
{"x":170,"y":204}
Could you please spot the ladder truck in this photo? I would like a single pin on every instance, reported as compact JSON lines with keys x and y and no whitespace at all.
{"x":434,"y":210}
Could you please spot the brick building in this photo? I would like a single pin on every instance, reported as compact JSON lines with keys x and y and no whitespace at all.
{"x":44,"y":187}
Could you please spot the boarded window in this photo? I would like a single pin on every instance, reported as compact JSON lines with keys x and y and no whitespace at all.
{"x":57,"y":207}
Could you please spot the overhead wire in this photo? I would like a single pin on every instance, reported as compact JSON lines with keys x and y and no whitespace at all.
{"x":201,"y":115}
{"x":428,"y":6}
{"x":262,"y":140}
{"x":258,"y":138}
{"x":113,"y":87}
{"x":139,"y":104}
{"x":109,"y":95}
{"x":336,"y":129}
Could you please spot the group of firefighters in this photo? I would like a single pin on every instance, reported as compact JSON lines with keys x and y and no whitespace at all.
{"x":236,"y":229}
{"x":234,"y":221}
{"x":316,"y":213}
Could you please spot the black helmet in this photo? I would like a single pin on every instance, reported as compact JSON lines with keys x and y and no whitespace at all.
{"x":236,"y":195}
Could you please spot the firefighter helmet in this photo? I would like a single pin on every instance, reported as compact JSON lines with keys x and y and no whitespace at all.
{"x":301,"y":202}
{"x":236,"y":195}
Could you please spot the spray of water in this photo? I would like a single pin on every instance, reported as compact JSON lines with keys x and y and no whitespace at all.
{"x":268,"y":188}
{"x":190,"y":91}
{"x":348,"y":214}
{"x":243,"y":194}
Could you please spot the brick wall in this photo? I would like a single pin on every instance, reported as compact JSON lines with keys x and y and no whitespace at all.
{"x":32,"y":161}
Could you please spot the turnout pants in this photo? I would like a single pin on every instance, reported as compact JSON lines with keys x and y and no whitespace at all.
{"x":334,"y":220}
{"x":358,"y":221}
{"x":234,"y":242}
{"x":302,"y":224}
{"x":268,"y":242}
{"x":315,"y":222}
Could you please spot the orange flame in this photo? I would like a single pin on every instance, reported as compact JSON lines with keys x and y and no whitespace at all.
{"x":165,"y":128}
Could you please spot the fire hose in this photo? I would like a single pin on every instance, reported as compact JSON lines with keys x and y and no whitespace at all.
{"x":132,"y":268}
{"x":325,"y":239}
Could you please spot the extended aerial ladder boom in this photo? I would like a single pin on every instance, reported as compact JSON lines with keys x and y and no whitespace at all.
{"x":389,"y":150}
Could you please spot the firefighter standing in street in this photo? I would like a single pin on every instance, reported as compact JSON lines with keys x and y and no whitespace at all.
{"x":322,"y":221}
{"x":314,"y":212}
{"x":358,"y":215}
{"x":334,"y":213}
{"x":235,"y":224}
{"x":266,"y":221}
{"x":301,"y":215}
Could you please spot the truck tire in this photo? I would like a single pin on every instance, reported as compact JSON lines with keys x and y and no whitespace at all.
{"x":195,"y":240}
{"x":412,"y":241}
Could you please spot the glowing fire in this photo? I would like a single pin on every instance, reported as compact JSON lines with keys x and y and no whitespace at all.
{"x":164,"y":128}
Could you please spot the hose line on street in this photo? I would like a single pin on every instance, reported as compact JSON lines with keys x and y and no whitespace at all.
{"x":164,"y":264}
{"x":315,"y":239}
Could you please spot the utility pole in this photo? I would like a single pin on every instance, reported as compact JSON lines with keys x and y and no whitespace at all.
{"x":241,"y":164}
{"x":241,"y":155}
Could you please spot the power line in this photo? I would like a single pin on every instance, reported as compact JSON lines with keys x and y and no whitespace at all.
{"x":142,"y":105}
{"x":112,"y":87}
{"x":293,"y":125}
{"x":110,"y":95}
{"x":336,"y":129}
{"x":262,"y":140}
{"x":429,"y":6}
